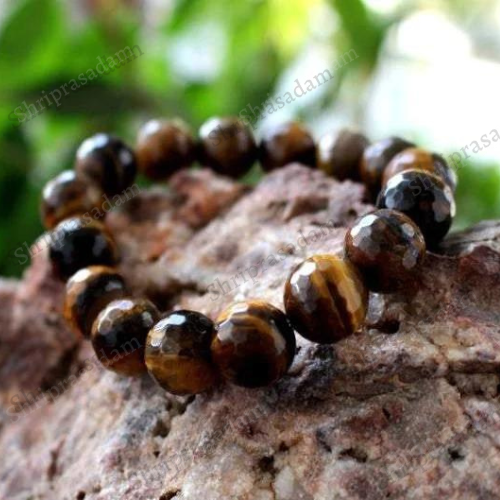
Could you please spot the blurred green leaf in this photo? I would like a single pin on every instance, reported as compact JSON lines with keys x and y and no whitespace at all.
{"x":23,"y":31}
{"x":478,"y":194}
{"x":29,"y":39}
{"x":364,"y":31}
{"x":19,"y":219}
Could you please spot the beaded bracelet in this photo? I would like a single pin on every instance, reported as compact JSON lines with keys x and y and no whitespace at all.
{"x":252,"y":343}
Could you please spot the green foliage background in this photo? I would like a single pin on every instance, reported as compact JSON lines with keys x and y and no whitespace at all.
{"x":45,"y":43}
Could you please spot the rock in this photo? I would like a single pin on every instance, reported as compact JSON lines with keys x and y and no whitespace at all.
{"x":408,"y":408}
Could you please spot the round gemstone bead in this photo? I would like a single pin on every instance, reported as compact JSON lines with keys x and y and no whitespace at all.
{"x":387,"y":247}
{"x":66,"y":196}
{"x":287,"y":143}
{"x":339,"y":154}
{"x":325,"y":299}
{"x":375,"y":159}
{"x":227,"y":146}
{"x":416,"y":158}
{"x":178,"y":353}
{"x":254,"y":345}
{"x":423,"y":197}
{"x":80,"y":242}
{"x":119,"y":334}
{"x":107,"y":162}
{"x":163,"y":148}
{"x":88,"y":292}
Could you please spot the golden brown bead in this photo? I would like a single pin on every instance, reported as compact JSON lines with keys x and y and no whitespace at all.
{"x":387,"y":248}
{"x":80,"y":242}
{"x":340,"y":153}
{"x":119,"y":334}
{"x":325,"y":299}
{"x":88,"y":292}
{"x":287,"y":143}
{"x":376,"y":157}
{"x":178,"y":353}
{"x":164,"y":147}
{"x":254,"y":345}
{"x":65,"y":196}
{"x":107,"y":162}
{"x":416,"y":158}
{"x":227,"y":146}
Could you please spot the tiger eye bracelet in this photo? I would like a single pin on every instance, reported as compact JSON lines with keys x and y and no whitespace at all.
{"x":252,"y":343}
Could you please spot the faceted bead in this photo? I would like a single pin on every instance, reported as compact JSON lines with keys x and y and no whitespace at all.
{"x":375,"y":159}
{"x":80,"y":242}
{"x":325,"y":299}
{"x":107,"y":162}
{"x":88,"y":292}
{"x":339,"y":154}
{"x":178,"y":353}
{"x":416,"y":158}
{"x":254,"y":345}
{"x":66,"y":196}
{"x":423,"y":197}
{"x":388,"y":248}
{"x":287,"y":143}
{"x":119,"y":334}
{"x":164,"y":147}
{"x":227,"y":146}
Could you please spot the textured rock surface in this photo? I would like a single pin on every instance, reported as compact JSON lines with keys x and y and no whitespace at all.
{"x":406,"y":409}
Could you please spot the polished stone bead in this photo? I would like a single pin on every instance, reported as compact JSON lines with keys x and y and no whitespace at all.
{"x":119,"y":334}
{"x":339,"y":154}
{"x":376,"y":157}
{"x":80,"y":242}
{"x":287,"y":143}
{"x":178,"y":353}
{"x":423,"y":197}
{"x":387,"y":248}
{"x":107,"y":162}
{"x":254,"y":345}
{"x":164,"y":147}
{"x":66,"y":196}
{"x":88,"y":292}
{"x":325,"y":299}
{"x":416,"y":158}
{"x":227,"y":146}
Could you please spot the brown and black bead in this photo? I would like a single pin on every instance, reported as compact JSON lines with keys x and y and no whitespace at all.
{"x":254,"y":345}
{"x":325,"y":299}
{"x":339,"y":154}
{"x":227,"y":145}
{"x":119,"y":334}
{"x":88,"y":292}
{"x":164,"y":147}
{"x":424,"y":198}
{"x":178,"y":353}
{"x":66,"y":196}
{"x":80,"y":242}
{"x":387,"y":248}
{"x":107,"y":162}
{"x":287,"y":143}
{"x":416,"y":158}
{"x":376,"y":158}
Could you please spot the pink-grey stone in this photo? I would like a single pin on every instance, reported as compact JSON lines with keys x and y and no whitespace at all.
{"x":407,"y":408}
